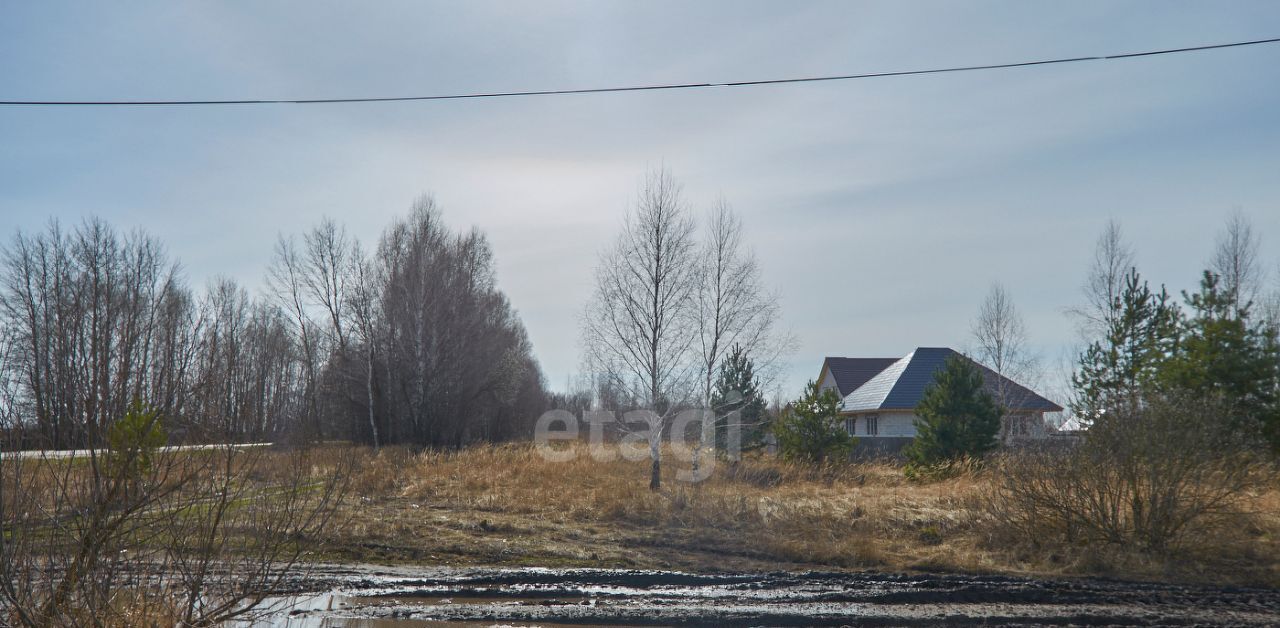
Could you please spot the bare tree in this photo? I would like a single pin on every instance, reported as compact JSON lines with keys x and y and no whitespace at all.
{"x":327,"y":276}
{"x":9,"y":384}
{"x":221,"y":390}
{"x":640,"y":327}
{"x":1000,"y":342}
{"x":1112,"y":259}
{"x":244,"y":387}
{"x":104,"y":348}
{"x":100,"y":320}
{"x":1271,"y":306}
{"x":363,"y":307}
{"x":733,"y":309}
{"x":287,"y":278}
{"x":1235,"y":260}
{"x":459,"y":367}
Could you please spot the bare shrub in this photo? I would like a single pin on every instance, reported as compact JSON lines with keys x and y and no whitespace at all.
{"x":140,"y":534}
{"x":1153,"y":476}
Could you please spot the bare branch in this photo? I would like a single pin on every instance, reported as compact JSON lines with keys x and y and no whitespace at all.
{"x":1235,"y":260}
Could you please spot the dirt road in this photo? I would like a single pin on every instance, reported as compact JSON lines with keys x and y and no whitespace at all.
{"x":61,"y":454}
{"x":367,"y":596}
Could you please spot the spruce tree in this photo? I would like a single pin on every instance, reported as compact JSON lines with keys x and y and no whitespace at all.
{"x":736,"y":398}
{"x":956,"y":417}
{"x":1142,"y":334}
{"x":809,"y":428}
{"x":1226,"y":355}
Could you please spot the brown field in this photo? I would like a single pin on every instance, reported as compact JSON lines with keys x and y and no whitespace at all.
{"x":507,"y":506}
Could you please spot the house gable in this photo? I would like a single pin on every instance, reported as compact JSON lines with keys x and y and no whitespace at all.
{"x":846,"y":374}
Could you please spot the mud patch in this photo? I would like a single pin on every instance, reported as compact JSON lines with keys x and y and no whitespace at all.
{"x":369,"y":597}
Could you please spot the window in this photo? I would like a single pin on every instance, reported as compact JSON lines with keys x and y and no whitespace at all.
{"x":1019,"y":425}
{"x":873,"y":424}
{"x":850,"y":425}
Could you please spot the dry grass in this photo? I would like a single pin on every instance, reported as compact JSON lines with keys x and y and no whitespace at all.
{"x":506,"y":505}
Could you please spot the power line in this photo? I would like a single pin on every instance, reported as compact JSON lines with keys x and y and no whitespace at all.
{"x":633,"y":88}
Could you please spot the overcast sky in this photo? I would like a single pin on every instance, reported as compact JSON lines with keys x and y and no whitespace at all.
{"x":881,"y":209}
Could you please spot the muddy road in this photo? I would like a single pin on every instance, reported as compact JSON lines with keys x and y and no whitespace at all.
{"x":394,"y":597}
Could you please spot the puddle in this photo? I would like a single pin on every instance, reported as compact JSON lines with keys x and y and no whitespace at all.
{"x":295,"y":611}
{"x":325,"y":610}
{"x":464,"y":598}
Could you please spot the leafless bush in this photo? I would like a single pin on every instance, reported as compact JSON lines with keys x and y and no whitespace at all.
{"x":1156,"y":476}
{"x":140,"y":534}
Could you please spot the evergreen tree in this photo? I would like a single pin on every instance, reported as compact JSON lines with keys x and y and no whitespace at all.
{"x":1142,"y":333}
{"x":1224,"y":354}
{"x":809,"y":428}
{"x":736,"y":398}
{"x":956,"y":417}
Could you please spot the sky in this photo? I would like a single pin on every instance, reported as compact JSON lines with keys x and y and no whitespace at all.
{"x":881,"y":210}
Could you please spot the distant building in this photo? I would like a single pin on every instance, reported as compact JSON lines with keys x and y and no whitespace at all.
{"x":879,"y":398}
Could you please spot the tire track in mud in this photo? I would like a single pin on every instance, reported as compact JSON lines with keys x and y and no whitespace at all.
{"x":641,"y":597}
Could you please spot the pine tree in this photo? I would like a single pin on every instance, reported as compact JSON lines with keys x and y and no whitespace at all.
{"x":956,"y":417}
{"x":1226,"y":355}
{"x":736,"y":398}
{"x":1142,"y":334}
{"x":809,"y":430}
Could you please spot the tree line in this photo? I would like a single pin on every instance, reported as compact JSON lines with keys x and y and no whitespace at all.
{"x":410,"y":343}
{"x":1221,"y":344}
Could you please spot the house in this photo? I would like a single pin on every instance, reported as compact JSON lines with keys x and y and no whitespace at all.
{"x":879,"y":397}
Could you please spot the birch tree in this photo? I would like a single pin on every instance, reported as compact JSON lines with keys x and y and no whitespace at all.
{"x":244,"y":385}
{"x":1104,"y":285}
{"x":103,"y":347}
{"x":1235,"y":261}
{"x":1000,"y":342}
{"x":98,"y":320}
{"x":363,"y":308}
{"x":287,"y":279}
{"x":734,"y":309}
{"x":1271,"y":306}
{"x":326,"y":276}
{"x":640,"y":326}
{"x":458,"y":363}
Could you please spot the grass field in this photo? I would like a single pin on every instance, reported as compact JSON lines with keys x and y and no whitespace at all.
{"x":506,"y":505}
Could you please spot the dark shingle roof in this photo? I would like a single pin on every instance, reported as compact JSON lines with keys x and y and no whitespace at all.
{"x":850,"y":373}
{"x":901,"y":385}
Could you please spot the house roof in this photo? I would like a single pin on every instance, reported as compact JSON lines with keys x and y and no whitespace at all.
{"x":1072,"y":424}
{"x":850,"y":373}
{"x":901,"y":385}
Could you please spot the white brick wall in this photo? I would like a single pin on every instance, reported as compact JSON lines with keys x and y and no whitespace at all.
{"x":900,"y":424}
{"x":890,"y":424}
